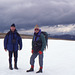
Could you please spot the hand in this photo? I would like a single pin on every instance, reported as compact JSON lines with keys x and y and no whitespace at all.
{"x":20,"y":50}
{"x":6,"y":50}
{"x":32,"y":51}
{"x":40,"y":52}
{"x":44,"y":49}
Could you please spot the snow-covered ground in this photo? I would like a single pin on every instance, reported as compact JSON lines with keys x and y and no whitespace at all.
{"x":59,"y":59}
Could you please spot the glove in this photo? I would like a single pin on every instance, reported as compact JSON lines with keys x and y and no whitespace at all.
{"x":40,"y":52}
{"x":32,"y":51}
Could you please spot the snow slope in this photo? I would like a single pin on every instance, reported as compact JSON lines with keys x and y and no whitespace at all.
{"x":59,"y":59}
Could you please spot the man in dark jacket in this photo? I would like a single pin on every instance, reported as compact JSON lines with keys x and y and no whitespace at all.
{"x":38,"y":45}
{"x":12,"y":43}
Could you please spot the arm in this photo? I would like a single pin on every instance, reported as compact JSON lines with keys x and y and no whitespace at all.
{"x":5,"y":42}
{"x":20,"y":42}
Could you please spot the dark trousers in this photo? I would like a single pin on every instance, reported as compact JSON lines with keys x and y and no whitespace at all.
{"x":11,"y":53}
{"x":32,"y":59}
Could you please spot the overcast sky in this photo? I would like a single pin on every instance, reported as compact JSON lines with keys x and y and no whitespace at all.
{"x":41,"y":12}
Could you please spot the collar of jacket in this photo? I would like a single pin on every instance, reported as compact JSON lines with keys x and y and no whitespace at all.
{"x":36,"y":34}
{"x":14,"y":31}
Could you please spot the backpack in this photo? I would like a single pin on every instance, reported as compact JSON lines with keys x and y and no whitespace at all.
{"x":46,"y":37}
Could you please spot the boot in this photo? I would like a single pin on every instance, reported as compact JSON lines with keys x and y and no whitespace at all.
{"x":40,"y":71}
{"x":15,"y":66}
{"x":10,"y":67}
{"x":30,"y":70}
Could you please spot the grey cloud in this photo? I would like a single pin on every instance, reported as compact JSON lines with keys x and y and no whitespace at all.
{"x":42,"y":12}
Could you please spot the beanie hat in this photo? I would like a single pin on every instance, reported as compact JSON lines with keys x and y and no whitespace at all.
{"x":36,"y":27}
{"x":13,"y":25}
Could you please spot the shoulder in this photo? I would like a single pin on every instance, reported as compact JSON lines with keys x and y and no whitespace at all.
{"x":18,"y":34}
{"x":8,"y":33}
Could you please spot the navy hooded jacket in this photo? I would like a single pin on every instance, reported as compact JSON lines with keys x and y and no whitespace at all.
{"x":12,"y":41}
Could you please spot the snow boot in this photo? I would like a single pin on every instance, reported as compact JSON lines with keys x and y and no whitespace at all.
{"x":15,"y":66}
{"x":40,"y":71}
{"x":10,"y":67}
{"x":31,"y":70}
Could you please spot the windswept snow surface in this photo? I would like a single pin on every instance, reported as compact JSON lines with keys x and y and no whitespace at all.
{"x":59,"y":59}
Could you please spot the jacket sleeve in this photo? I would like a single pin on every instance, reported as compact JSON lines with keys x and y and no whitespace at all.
{"x":20,"y":42}
{"x":43,"y":42}
{"x":5,"y":41}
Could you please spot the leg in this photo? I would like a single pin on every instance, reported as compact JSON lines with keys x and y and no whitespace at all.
{"x":32,"y":60}
{"x":10,"y":60}
{"x":15,"y":56}
{"x":41,"y":60}
{"x":15,"y":59}
{"x":40,"y":63}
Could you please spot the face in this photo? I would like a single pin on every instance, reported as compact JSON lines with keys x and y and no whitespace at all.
{"x":12,"y":29}
{"x":36,"y":30}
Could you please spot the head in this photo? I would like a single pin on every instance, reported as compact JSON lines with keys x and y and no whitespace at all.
{"x":12,"y":27}
{"x":36,"y":29}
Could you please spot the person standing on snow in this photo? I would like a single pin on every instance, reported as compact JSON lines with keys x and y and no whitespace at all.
{"x":38,"y":45}
{"x":11,"y":42}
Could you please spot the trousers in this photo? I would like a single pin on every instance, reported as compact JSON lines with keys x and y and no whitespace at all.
{"x":15,"y":53}
{"x":32,"y":59}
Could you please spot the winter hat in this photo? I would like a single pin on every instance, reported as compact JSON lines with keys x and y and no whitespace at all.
{"x":36,"y":27}
{"x":13,"y":25}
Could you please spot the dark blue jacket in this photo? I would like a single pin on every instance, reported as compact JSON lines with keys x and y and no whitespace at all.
{"x":12,"y":41}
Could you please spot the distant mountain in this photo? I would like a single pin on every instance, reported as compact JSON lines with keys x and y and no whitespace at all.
{"x":66,"y":37}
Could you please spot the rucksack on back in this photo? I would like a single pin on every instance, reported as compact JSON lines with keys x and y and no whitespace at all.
{"x":46,"y":37}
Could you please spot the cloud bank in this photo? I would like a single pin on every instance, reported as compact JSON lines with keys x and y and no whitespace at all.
{"x":42,"y":12}
{"x":53,"y":30}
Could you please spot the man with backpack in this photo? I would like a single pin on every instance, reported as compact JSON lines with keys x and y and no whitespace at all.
{"x":38,"y":46}
{"x":12,"y":43}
